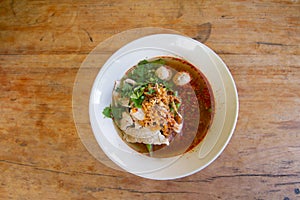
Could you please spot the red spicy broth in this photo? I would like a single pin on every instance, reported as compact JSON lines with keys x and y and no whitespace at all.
{"x":197,"y":109}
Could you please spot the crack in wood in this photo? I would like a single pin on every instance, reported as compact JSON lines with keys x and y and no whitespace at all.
{"x":89,"y":35}
{"x":233,"y":53}
{"x":180,"y":10}
{"x":12,"y":7}
{"x":227,"y":17}
{"x":274,"y":190}
{"x":22,"y":53}
{"x":99,"y":189}
{"x":287,"y":183}
{"x":241,"y":175}
{"x":289,"y":124}
{"x":270,"y":43}
{"x":257,"y":175}
{"x":52,"y":15}
{"x":55,"y":171}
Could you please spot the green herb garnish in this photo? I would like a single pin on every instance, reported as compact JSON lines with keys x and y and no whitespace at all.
{"x":158,"y":61}
{"x":117,"y":112}
{"x":144,"y":76}
{"x":107,"y":112}
{"x":137,"y":96}
{"x":113,"y":112}
{"x":144,"y":71}
{"x":138,"y":102}
{"x":150,"y":149}
{"x":150,"y":91}
{"x":126,"y":90}
{"x":137,"y":92}
{"x":176,"y":93}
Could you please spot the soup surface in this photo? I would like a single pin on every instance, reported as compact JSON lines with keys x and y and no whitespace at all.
{"x":183,"y":120}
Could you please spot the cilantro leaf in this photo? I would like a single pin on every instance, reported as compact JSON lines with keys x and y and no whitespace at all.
{"x":143,"y":62}
{"x":107,"y":112}
{"x":117,"y":112}
{"x":126,"y":90}
{"x":158,"y":61}
{"x":144,"y":72}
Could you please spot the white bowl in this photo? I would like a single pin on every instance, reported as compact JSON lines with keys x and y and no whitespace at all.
{"x":219,"y":134}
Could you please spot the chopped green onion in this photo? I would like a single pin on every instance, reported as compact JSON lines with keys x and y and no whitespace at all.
{"x":150,"y":149}
{"x":138,"y":102}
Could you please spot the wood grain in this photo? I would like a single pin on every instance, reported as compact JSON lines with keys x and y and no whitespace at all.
{"x":42,"y":45}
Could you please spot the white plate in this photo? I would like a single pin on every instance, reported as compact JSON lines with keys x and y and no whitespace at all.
{"x":226,"y":106}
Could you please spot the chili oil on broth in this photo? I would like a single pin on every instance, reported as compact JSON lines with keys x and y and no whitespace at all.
{"x":197,"y":110}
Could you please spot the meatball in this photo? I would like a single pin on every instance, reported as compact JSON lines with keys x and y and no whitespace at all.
{"x":163,"y":73}
{"x":181,"y":78}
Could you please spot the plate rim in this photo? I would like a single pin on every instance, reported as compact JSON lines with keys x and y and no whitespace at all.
{"x":234,"y":90}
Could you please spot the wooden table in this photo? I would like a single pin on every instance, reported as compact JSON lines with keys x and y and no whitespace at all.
{"x":42,"y":45}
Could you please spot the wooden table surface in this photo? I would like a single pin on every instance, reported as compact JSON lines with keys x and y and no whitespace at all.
{"x":42,"y":45}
